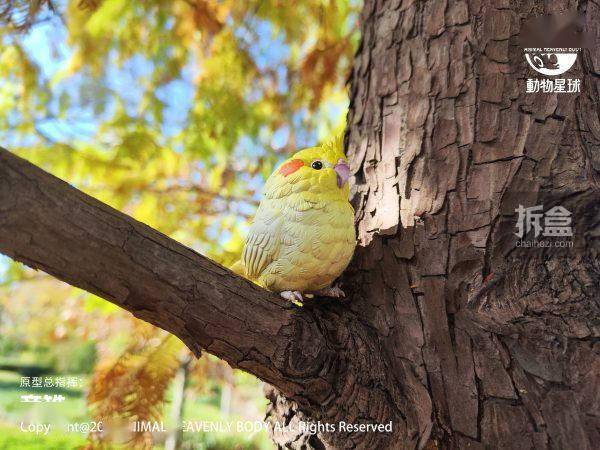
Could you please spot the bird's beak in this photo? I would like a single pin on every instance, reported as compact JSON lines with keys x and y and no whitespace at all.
{"x":342,"y":171}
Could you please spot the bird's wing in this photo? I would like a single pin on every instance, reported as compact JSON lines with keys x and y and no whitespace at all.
{"x":263,"y":241}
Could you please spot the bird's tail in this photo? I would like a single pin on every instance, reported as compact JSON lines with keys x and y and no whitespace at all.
{"x":238,"y":267}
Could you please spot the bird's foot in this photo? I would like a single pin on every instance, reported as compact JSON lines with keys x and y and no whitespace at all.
{"x":293,"y":296}
{"x":331,"y":291}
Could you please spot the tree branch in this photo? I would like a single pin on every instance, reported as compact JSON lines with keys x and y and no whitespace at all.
{"x":49,"y":225}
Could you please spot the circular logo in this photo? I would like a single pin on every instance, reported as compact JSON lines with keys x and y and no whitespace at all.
{"x":551,"y":63}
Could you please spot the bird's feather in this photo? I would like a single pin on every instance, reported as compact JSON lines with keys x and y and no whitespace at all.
{"x":262,"y":242}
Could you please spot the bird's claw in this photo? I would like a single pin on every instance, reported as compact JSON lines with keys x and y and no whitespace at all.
{"x":293,"y":296}
{"x":297,"y":298}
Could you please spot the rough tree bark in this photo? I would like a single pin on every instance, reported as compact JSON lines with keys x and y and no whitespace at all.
{"x":444,"y":144}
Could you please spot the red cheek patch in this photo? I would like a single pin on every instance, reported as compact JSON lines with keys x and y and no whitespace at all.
{"x":290,"y":167}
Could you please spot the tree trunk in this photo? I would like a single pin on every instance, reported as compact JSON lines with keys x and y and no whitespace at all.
{"x":478,"y":343}
{"x":451,"y":332}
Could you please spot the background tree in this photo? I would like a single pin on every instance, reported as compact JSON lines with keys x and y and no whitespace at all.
{"x":453,"y":333}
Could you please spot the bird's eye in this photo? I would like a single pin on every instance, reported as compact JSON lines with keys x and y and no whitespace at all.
{"x":317,"y":165}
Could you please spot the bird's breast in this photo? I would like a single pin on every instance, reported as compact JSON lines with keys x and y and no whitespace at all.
{"x":316,"y":244}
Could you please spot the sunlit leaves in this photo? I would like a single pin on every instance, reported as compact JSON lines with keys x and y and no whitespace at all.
{"x":134,"y":385}
{"x":209,"y":81}
{"x":173,"y":111}
{"x":22,"y":14}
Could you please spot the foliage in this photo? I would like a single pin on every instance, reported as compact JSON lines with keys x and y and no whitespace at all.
{"x":199,"y":406}
{"x":76,"y":357}
{"x":173,"y":111}
{"x":22,"y":14}
{"x":134,"y":386}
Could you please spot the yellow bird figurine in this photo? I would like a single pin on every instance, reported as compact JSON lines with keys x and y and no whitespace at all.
{"x":302,"y":237}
